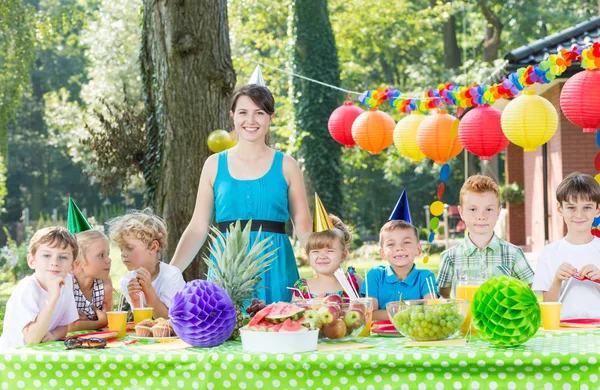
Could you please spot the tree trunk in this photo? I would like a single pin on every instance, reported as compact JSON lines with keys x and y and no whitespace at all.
{"x":315,"y":56}
{"x":493,"y":33}
{"x":188,"y":79}
{"x":452,"y":56}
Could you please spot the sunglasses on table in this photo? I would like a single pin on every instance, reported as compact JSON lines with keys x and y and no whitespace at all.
{"x":93,"y":343}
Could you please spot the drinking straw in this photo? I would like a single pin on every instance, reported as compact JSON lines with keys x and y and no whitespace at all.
{"x":429,"y":286}
{"x":141,"y":295}
{"x":120,"y":306}
{"x":432,"y":287}
{"x":339,"y":275}
{"x":564,"y":291}
{"x":366,"y":285}
{"x":295,"y":289}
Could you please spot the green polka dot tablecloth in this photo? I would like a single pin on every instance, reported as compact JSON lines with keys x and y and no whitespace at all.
{"x":569,"y":360}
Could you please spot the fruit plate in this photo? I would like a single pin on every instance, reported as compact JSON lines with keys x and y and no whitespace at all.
{"x":279,"y":342}
{"x":156,"y":339}
{"x":385,"y":328}
{"x":581,"y":323}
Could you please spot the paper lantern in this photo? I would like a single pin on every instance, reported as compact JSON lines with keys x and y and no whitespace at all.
{"x":529,"y":121}
{"x":220,"y":140}
{"x":340,"y":123}
{"x":405,"y":136}
{"x":580,"y":99}
{"x":437,"y":137}
{"x":373,"y":130}
{"x":202,"y":314}
{"x":505,"y":311}
{"x":480,"y":132}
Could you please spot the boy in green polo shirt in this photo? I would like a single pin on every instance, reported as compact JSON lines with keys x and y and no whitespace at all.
{"x":479,"y":209}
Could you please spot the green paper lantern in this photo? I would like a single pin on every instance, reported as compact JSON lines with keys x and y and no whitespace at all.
{"x":505,"y":311}
{"x":76,"y":222}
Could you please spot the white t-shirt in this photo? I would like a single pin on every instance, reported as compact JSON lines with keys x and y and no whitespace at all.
{"x":167,"y":283}
{"x":26,"y":302}
{"x":582,"y":300}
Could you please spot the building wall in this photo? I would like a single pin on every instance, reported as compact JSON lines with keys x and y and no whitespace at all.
{"x":569,"y":150}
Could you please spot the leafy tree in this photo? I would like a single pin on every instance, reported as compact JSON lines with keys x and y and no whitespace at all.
{"x":315,"y":57}
{"x":17,"y":33}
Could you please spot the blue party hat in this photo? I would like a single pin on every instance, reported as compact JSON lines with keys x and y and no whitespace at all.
{"x":401,"y":210}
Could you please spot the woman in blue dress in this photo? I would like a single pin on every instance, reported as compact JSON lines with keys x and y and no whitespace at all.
{"x":252,"y":181}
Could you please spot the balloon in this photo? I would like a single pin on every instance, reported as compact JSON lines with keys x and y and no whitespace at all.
{"x":219,"y":140}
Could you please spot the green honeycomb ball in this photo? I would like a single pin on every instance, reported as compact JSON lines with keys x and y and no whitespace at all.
{"x":505,"y":311}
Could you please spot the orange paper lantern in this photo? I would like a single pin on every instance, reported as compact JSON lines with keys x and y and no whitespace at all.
{"x":373,"y":130}
{"x":437,"y":137}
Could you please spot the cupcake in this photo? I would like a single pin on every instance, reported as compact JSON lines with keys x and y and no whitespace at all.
{"x":162,"y":328}
{"x":144,"y":328}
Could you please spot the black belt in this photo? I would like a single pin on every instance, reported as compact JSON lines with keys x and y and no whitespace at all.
{"x":266,"y":226}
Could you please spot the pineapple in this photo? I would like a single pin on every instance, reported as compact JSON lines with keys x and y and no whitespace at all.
{"x":239,"y":264}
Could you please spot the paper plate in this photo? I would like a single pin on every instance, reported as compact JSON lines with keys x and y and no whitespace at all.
{"x":585,"y":278}
{"x":155,"y":339}
{"x":581,"y":323}
{"x":385,"y":328}
{"x":100,"y":335}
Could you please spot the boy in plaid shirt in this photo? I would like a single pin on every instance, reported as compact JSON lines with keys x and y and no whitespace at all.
{"x":479,"y":209}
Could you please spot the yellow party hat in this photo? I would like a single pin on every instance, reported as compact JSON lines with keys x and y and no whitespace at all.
{"x":321,"y":221}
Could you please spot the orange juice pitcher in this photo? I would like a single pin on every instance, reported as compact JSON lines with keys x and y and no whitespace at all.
{"x":466,"y":284}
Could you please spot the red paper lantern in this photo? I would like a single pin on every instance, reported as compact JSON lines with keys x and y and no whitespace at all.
{"x":480,"y":132}
{"x":340,"y":123}
{"x":580,"y":99}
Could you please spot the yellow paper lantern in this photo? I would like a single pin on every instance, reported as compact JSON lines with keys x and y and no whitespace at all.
{"x":529,"y":121}
{"x":405,"y":136}
{"x":437,"y":137}
{"x":373,"y":130}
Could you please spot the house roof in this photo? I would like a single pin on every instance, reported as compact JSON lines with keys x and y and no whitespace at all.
{"x":581,"y":34}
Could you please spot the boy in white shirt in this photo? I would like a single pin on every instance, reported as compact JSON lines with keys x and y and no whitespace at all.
{"x":142,"y":237}
{"x":577,"y":254}
{"x":42,"y":305}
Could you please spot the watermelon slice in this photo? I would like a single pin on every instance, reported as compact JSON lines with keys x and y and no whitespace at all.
{"x":275,"y":328}
{"x":258,"y":317}
{"x":292,"y":326}
{"x":282,"y":311}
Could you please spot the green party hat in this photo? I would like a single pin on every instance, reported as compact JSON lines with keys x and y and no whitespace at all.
{"x":76,"y":222}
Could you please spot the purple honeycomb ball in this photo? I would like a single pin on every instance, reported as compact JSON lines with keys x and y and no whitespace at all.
{"x":202,"y":314}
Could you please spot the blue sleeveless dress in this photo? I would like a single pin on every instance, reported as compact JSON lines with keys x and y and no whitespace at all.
{"x":265,"y":198}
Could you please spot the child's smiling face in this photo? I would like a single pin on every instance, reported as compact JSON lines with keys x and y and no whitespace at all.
{"x":400,"y":247}
{"x":327,"y":259}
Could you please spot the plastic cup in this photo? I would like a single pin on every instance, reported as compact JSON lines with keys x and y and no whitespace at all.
{"x":117,"y":322}
{"x":141,"y":313}
{"x":550,"y":315}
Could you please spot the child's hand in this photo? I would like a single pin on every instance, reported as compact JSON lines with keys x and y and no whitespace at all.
{"x":101,"y":314}
{"x":590,"y":271}
{"x":133,"y":289}
{"x":144,"y":278}
{"x":565,"y":272}
{"x":54,"y":286}
{"x":82,"y":316}
{"x":49,"y":336}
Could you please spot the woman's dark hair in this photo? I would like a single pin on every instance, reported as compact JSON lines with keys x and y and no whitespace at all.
{"x":261,"y":96}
